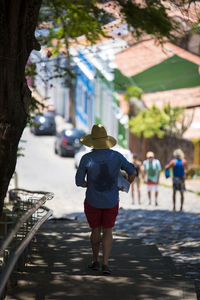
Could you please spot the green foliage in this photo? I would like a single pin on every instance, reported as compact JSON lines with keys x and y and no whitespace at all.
{"x":149,"y":123}
{"x":158,"y":122}
{"x":30,"y":70}
{"x":68,"y":20}
{"x":20,"y":152}
{"x":35,"y":106}
{"x":150,"y":17}
{"x":193,"y":172}
{"x":133,"y":91}
{"x":65,"y":21}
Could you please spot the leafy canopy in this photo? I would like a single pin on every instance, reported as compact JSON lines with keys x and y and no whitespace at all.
{"x":158,"y":122}
{"x":150,"y":17}
{"x":67,"y":20}
{"x":133,"y":92}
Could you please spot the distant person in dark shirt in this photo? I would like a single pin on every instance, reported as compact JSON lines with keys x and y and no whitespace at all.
{"x":136,"y":182}
{"x":178,"y":164}
{"x":98,"y":172}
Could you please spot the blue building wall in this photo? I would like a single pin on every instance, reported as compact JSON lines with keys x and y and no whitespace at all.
{"x":84,"y":93}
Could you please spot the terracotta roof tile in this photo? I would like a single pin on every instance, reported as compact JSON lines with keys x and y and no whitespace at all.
{"x":146,"y":54}
{"x":179,"y":97}
{"x":111,"y":8}
{"x":182,"y":53}
{"x":187,"y":12}
{"x":140,"y":57}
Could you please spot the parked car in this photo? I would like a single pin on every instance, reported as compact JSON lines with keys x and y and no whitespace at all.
{"x":77,"y":156}
{"x":44,"y":124}
{"x":84,"y":149}
{"x":67,"y":141}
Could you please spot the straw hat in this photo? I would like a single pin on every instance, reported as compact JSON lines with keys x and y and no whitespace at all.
{"x":178,"y":153}
{"x":98,"y":139}
{"x":150,"y":154}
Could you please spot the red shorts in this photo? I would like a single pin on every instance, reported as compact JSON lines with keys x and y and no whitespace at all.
{"x":152,"y":183}
{"x":97,"y":217}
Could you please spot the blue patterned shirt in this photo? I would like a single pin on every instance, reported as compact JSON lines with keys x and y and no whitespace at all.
{"x":100,"y":168}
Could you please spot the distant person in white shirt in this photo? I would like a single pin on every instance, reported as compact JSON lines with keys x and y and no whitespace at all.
{"x":152,"y":170}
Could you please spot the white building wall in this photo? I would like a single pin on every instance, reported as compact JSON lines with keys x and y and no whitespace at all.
{"x":51,"y":90}
{"x":98,"y":98}
{"x":108,"y":115}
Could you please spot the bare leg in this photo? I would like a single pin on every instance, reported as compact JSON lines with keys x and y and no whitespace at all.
{"x":139,"y":194}
{"x":107,"y":244}
{"x":132,"y":193}
{"x":182,"y":201}
{"x":174,"y":200}
{"x":95,"y":239}
{"x":156,"y":198}
{"x":149,"y":196}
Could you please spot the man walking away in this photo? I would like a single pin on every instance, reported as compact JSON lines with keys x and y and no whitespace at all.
{"x":178,"y":164}
{"x":98,"y":173}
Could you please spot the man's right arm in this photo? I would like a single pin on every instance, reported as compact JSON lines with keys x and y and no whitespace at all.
{"x":171,"y":164}
{"x":80,"y":174}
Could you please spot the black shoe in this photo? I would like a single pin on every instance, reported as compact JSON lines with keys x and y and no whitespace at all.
{"x":94,"y":266}
{"x":106,"y":270}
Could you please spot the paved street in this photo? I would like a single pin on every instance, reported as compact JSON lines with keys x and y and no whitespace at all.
{"x":176,"y":234}
{"x":59,"y":269}
{"x":41,"y":169}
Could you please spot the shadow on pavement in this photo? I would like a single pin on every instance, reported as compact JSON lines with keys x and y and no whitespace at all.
{"x":59,"y":270}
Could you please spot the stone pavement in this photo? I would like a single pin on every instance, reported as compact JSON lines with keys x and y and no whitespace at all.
{"x":58,"y":269}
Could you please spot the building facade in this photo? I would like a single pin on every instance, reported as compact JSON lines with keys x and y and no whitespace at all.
{"x":95,"y":96}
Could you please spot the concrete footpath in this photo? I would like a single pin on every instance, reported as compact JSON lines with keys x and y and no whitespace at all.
{"x":58,"y":269}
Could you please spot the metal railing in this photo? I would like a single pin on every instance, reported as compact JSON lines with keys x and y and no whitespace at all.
{"x":28,"y":213}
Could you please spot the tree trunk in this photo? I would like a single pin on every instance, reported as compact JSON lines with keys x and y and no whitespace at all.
{"x":135,"y":106}
{"x":18,"y":20}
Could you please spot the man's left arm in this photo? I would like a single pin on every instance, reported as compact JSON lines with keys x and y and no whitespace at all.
{"x":159,"y":170}
{"x":132,"y":176}
{"x":130,"y":169}
{"x":185,"y":164}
